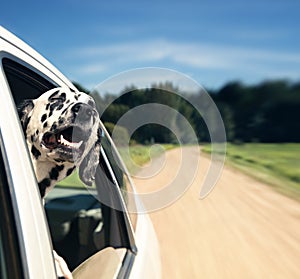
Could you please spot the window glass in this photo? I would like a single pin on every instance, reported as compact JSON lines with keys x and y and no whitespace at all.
{"x":121,"y":176}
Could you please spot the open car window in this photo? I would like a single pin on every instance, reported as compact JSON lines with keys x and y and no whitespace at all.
{"x":24,"y":83}
{"x":80,"y":224}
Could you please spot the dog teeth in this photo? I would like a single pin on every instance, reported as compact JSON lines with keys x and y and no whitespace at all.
{"x":75,"y":145}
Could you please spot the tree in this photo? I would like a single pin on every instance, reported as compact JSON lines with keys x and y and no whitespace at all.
{"x":267,"y":112}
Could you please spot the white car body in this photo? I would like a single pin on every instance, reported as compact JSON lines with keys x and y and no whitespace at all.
{"x":33,"y":240}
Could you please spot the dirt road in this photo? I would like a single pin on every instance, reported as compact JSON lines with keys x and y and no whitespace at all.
{"x":243,"y":229}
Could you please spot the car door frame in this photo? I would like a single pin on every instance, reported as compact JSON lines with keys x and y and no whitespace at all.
{"x":32,"y":231}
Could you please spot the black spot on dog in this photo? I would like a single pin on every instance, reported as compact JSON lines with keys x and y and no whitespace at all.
{"x":36,"y":153}
{"x":72,"y":90}
{"x":37,"y":132}
{"x":33,"y":138}
{"x":45,"y":124}
{"x":70,"y":170}
{"x":44,"y":117}
{"x":53,"y":127}
{"x":60,"y":107}
{"x":54,"y":173}
{"x":61,"y":120}
{"x":53,"y":106}
{"x":61,"y":167}
{"x":47,"y":106}
{"x":64,"y":111}
{"x":52,"y":95}
{"x":68,"y":101}
{"x":76,"y":97}
{"x":43,"y":185}
{"x":63,"y":96}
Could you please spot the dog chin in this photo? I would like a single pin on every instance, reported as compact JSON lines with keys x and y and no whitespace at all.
{"x":61,"y":155}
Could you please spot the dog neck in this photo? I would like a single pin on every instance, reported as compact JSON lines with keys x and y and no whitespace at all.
{"x":48,"y":174}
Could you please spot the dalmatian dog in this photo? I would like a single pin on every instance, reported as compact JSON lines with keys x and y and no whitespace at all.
{"x":62,"y":130}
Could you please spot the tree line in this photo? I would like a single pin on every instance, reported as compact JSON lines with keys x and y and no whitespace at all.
{"x":265,"y":112}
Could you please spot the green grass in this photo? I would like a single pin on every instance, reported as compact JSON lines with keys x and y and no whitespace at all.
{"x":275,"y":164}
{"x":72,"y":181}
{"x":140,"y":155}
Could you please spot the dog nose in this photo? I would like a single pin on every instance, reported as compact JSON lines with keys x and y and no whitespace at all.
{"x":83,"y":111}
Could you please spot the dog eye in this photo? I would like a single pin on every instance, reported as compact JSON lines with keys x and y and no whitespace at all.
{"x":57,"y":97}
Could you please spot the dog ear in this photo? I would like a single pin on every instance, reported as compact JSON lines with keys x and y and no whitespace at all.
{"x":88,"y":166}
{"x":23,"y":110}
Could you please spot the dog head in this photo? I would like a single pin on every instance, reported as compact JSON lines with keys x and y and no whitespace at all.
{"x":62,"y":131}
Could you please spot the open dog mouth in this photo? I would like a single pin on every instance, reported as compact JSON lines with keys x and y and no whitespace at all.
{"x":70,"y":139}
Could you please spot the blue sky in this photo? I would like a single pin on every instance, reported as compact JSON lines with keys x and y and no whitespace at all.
{"x":211,"y":41}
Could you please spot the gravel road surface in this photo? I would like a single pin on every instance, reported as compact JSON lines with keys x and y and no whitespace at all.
{"x":243,"y":229}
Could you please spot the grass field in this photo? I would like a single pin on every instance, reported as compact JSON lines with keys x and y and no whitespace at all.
{"x":275,"y":164}
{"x":140,"y":155}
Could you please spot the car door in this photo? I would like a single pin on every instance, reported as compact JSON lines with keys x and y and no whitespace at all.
{"x":23,"y":78}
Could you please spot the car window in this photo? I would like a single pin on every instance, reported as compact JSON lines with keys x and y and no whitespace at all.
{"x":10,"y":261}
{"x":79,"y":224}
{"x":24,"y":83}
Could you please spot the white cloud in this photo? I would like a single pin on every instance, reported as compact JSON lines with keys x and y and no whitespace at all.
{"x":92,"y":68}
{"x":197,"y":55}
{"x":211,"y":64}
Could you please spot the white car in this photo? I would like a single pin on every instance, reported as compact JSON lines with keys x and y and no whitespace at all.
{"x":95,"y":239}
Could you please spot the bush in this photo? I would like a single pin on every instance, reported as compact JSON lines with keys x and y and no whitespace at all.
{"x":118,"y":133}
